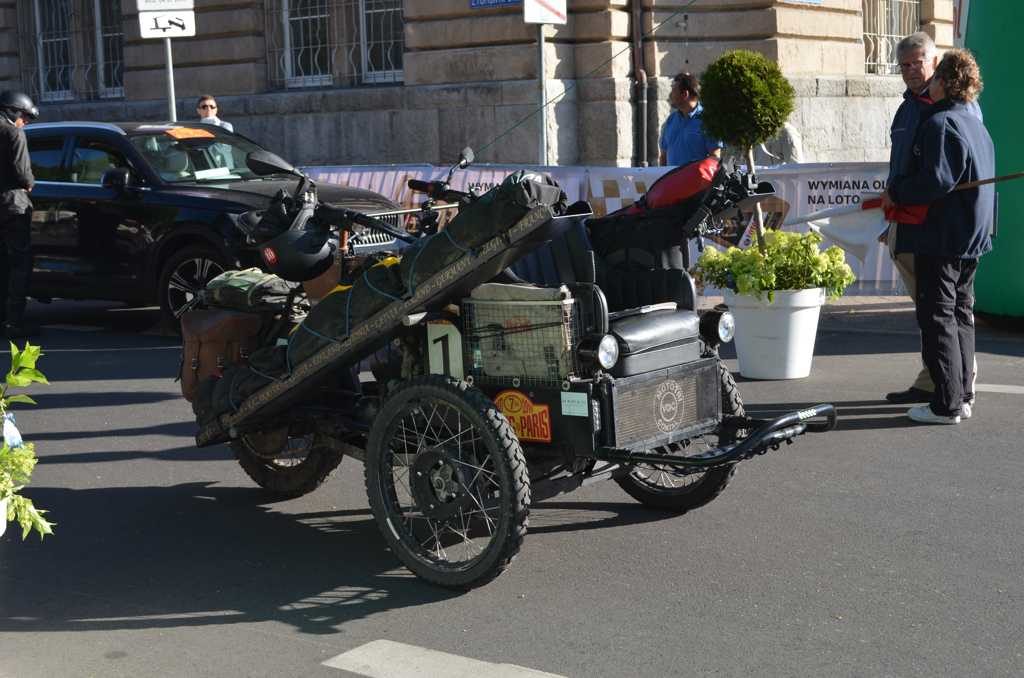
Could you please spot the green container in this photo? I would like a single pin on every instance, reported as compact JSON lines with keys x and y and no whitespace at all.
{"x":993,"y":31}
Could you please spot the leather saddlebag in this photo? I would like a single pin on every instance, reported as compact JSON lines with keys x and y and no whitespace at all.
{"x":212,"y":340}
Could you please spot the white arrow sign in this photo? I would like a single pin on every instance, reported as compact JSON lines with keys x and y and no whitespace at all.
{"x":163,"y":5}
{"x":544,"y":11}
{"x":167,"y":24}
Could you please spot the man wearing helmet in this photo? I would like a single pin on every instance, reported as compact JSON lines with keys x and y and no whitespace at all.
{"x":16,"y":109}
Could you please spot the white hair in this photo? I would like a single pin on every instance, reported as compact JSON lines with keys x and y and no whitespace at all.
{"x":915,"y":41}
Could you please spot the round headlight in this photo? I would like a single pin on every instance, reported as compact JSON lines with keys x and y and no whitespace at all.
{"x":726,"y":327}
{"x":607,"y":352}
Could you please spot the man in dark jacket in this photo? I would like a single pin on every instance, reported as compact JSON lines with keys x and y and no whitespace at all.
{"x":16,"y":181}
{"x":951,"y":147}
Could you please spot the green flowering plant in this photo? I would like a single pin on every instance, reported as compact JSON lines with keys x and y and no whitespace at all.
{"x":18,"y":458}
{"x":790,"y":261}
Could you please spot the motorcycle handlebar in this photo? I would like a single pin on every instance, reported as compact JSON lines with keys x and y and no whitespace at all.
{"x":427,"y":187}
{"x":438,"y":190}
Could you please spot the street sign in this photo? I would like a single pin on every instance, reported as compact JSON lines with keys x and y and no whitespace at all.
{"x":168,"y":24}
{"x":544,"y":11}
{"x":484,"y":4}
{"x":163,"y":5}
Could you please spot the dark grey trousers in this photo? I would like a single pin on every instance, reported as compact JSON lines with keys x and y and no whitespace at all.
{"x":945,"y":314}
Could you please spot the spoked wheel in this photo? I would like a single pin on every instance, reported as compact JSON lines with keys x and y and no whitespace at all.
{"x":666,"y":488}
{"x":447,"y":482}
{"x":284,"y":464}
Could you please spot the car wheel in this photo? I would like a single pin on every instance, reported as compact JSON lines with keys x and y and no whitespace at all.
{"x":183,"y":275}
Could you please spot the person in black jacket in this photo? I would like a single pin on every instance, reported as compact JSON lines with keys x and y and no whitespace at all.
{"x":951,"y":147}
{"x":16,"y":182}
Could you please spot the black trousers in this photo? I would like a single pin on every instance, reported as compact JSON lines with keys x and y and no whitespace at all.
{"x":945,"y":314}
{"x":15,"y":266}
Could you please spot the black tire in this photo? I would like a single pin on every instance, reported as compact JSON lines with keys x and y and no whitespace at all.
{"x":183,"y":275}
{"x":287,"y":466}
{"x":661,"y":487}
{"x":447,"y":482}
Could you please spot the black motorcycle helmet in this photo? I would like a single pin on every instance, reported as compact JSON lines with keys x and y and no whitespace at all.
{"x":15,"y":104}
{"x":299,"y":253}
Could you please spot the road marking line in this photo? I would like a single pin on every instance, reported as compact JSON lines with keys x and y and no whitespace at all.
{"x":999,"y":388}
{"x":388,"y":659}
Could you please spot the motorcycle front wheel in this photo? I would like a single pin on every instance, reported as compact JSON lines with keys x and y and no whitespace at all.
{"x":447,"y":482}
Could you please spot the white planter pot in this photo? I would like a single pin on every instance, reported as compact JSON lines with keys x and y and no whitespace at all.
{"x":776,"y":340}
{"x":3,"y":516}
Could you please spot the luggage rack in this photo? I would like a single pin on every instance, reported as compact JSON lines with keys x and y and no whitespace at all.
{"x":476,"y":267}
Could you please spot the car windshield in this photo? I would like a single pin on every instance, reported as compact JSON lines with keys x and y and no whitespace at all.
{"x":182,"y":154}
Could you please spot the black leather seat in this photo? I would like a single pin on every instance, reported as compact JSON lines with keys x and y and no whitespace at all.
{"x":630,"y":281}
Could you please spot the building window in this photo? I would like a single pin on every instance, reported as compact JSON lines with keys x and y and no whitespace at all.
{"x":383,"y":40}
{"x":72,"y":49}
{"x":109,"y":48}
{"x":53,"y":49}
{"x":319,"y":43}
{"x":886,"y":22}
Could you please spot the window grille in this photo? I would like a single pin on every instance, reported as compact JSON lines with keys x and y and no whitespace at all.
{"x":886,"y":22}
{"x":53,"y":46}
{"x":71,"y":49}
{"x":109,"y":48}
{"x":318,"y":43}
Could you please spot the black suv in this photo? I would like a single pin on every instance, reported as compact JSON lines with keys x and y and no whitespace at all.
{"x":141,"y":212}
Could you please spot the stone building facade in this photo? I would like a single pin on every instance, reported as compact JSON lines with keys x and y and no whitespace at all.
{"x":390,"y":81}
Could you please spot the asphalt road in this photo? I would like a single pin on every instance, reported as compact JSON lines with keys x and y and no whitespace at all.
{"x":882,"y":549}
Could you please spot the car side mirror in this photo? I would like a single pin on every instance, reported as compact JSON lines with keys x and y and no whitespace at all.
{"x":264,"y":163}
{"x":116,"y":178}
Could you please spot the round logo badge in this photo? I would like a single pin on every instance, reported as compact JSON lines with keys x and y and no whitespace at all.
{"x":668,"y":406}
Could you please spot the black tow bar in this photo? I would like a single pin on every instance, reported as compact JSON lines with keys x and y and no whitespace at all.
{"x":764,"y":436}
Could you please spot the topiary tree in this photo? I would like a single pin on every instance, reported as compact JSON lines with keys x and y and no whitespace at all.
{"x":746,"y":102}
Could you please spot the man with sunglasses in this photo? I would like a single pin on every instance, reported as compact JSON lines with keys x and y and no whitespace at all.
{"x":206,"y":108}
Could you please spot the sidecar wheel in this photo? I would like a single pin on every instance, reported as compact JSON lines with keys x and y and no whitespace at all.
{"x":447,"y":482}
{"x":286,"y":465}
{"x":664,"y":488}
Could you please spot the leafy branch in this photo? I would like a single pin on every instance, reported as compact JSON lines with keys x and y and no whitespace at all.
{"x":18,"y":458}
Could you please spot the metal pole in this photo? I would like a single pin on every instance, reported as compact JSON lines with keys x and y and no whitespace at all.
{"x":543,"y":97}
{"x":170,"y":81}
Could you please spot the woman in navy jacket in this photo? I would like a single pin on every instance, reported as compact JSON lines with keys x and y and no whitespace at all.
{"x":951,"y":147}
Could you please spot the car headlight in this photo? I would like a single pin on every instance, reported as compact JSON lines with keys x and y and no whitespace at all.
{"x":608,"y":352}
{"x":600,"y":351}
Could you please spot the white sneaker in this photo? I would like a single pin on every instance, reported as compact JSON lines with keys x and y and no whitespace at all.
{"x":924,"y":415}
{"x":966,"y":411}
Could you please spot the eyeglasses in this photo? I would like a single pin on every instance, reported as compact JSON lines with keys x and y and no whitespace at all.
{"x":212,"y":106}
{"x":912,"y":65}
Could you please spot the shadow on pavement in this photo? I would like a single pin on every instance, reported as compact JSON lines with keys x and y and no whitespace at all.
{"x":182,"y":429}
{"x":189,"y":453}
{"x":851,"y":413}
{"x":76,"y":400}
{"x":548,"y":517}
{"x":196,"y":554}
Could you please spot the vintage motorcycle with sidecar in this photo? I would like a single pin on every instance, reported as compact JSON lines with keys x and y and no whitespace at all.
{"x":520,"y":352}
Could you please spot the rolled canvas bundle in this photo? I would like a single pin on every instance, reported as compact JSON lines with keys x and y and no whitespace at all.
{"x":377,"y":284}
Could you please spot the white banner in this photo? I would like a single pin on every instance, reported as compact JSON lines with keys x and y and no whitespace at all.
{"x":801,"y":188}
